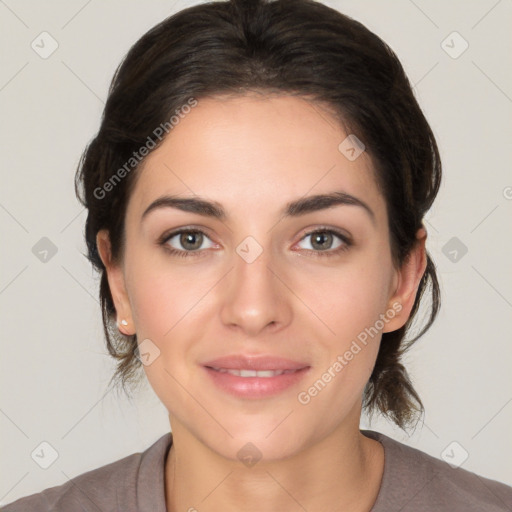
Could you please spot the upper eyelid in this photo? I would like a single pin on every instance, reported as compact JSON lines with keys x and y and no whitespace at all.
{"x":185,"y":229}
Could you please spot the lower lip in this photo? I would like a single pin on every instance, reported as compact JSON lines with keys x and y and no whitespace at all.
{"x":255,"y":387}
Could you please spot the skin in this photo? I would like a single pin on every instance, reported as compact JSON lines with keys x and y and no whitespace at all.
{"x":253,"y":154}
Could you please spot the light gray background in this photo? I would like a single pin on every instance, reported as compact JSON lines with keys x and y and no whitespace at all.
{"x":54,"y":367}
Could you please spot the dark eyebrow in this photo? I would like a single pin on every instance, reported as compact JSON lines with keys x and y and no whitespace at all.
{"x":322,"y":201}
{"x":296,"y":208}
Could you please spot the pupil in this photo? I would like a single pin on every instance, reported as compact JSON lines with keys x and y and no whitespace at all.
{"x":189,"y":238}
{"x":322,"y":237}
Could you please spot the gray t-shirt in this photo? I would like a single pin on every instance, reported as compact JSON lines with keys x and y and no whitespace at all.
{"x":412,"y":482}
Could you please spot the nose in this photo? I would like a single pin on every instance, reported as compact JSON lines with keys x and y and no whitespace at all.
{"x":254,"y":296}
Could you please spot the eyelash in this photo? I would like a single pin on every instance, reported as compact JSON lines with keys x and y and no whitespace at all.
{"x":347,"y":243}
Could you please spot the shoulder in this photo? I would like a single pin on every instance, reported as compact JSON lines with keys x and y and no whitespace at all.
{"x":416,"y":481}
{"x":115,"y":486}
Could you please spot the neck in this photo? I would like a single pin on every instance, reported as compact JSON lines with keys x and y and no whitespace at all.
{"x":341,"y":472}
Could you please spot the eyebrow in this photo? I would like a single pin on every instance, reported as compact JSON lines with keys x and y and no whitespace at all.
{"x":296,"y":208}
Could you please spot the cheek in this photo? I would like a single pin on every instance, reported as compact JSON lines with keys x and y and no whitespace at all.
{"x":351,"y":297}
{"x":171,"y":307}
{"x":346,"y":353}
{"x":155,"y":306}
{"x":167,"y":306}
{"x":162,"y":294}
{"x":350,"y":304}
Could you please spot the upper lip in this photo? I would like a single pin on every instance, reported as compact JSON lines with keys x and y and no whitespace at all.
{"x":254,"y":362}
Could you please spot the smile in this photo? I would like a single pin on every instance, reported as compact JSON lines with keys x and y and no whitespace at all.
{"x":246,"y":383}
{"x":253,"y":373}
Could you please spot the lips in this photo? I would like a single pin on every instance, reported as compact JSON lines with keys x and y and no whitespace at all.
{"x":255,"y":376}
{"x":258,"y":363}
{"x":253,"y":373}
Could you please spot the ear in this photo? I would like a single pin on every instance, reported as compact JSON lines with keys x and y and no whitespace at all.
{"x":116,"y":284}
{"x":407,"y":280}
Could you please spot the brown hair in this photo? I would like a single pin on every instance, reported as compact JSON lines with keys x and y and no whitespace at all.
{"x":298,"y":47}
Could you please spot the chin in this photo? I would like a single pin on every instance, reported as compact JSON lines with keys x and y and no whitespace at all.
{"x":258,"y":440}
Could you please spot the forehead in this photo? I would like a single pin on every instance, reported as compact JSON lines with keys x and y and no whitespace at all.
{"x":255,"y":152}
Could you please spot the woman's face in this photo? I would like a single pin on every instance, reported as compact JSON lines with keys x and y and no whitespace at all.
{"x":257,"y":283}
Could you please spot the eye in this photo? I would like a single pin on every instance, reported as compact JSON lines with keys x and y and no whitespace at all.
{"x":322,"y":242}
{"x":186,"y":242}
{"x":190,"y":240}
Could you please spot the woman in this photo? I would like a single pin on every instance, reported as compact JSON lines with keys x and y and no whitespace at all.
{"x":256,"y":195}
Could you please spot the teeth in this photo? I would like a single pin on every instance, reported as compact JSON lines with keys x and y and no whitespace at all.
{"x":253,"y":373}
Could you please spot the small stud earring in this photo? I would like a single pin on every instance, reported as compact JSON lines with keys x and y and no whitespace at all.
{"x":124,"y":322}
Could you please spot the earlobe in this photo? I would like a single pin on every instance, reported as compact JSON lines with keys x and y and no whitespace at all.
{"x":408,"y":280}
{"x":116,"y":284}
